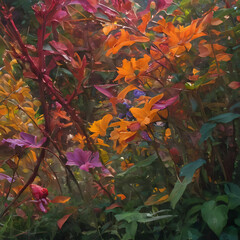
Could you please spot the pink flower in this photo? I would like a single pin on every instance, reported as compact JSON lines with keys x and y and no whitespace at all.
{"x":83,"y":159}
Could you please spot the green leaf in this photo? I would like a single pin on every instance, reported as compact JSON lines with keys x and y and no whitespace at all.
{"x":188,"y":170}
{"x":222,"y":198}
{"x":145,"y":220}
{"x":223,"y":12}
{"x":195,"y":209}
{"x":194,"y":234}
{"x":143,"y":163}
{"x":130,"y":216}
{"x":171,"y":9}
{"x":233,"y":192}
{"x":237,"y":221}
{"x":225,"y":117}
{"x":185,"y":3}
{"x":206,"y":131}
{"x":131,"y":229}
{"x":178,"y":191}
{"x":215,"y":216}
{"x":230,"y":233}
{"x":140,"y":217}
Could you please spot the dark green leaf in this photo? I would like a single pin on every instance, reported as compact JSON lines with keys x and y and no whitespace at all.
{"x":233,"y":192}
{"x":206,"y":131}
{"x":230,"y":233}
{"x":215,"y":216}
{"x":189,"y":169}
{"x":194,"y":234}
{"x":225,"y":117}
{"x":171,"y":9}
{"x":237,"y":221}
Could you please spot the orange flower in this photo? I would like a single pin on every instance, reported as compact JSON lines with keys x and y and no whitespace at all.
{"x":99,"y":127}
{"x":121,"y":96}
{"x":100,"y":142}
{"x":167,"y":134}
{"x":132,"y":69}
{"x":81,"y":139}
{"x":180,"y":37}
{"x":124,"y":40}
{"x":121,"y":136}
{"x":126,"y":164}
{"x":145,"y":115}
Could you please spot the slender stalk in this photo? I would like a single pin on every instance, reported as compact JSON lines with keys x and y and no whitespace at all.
{"x":62,"y":158}
{"x":105,"y":190}
{"x":30,"y":180}
{"x":10,"y":187}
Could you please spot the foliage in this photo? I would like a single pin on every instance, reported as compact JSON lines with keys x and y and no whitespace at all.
{"x":120,"y":120}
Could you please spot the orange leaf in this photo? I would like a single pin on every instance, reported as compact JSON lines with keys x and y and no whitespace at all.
{"x":223,"y":57}
{"x":60,"y":199}
{"x":121,"y":196}
{"x":156,"y":199}
{"x":17,"y":188}
{"x":61,"y":221}
{"x":216,"y":21}
{"x":204,"y":50}
{"x":3,"y":110}
{"x":145,"y":19}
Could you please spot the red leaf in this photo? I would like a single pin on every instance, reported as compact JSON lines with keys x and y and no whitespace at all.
{"x":134,"y":126}
{"x":21,"y":213}
{"x":114,"y":205}
{"x":103,"y":90}
{"x":88,"y":5}
{"x":61,"y":221}
{"x":30,"y":75}
{"x":234,"y":85}
{"x":58,"y":45}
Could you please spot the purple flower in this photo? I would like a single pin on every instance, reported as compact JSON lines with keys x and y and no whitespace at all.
{"x":4,"y":176}
{"x":145,"y":136}
{"x":83,"y":159}
{"x":127,"y":105}
{"x":138,"y":93}
{"x":27,"y":140}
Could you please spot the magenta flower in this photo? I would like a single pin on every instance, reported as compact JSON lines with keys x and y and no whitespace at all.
{"x":40,"y":197}
{"x":83,"y":159}
{"x":27,"y":141}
